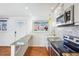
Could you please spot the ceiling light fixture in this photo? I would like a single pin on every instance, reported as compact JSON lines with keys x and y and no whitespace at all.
{"x":52,"y":8}
{"x":26,"y":8}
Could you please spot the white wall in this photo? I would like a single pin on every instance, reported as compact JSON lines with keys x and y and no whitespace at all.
{"x":6,"y":37}
{"x":25,"y":29}
{"x":9,"y":36}
{"x":39,"y":39}
{"x":12,"y":10}
{"x":74,"y":31}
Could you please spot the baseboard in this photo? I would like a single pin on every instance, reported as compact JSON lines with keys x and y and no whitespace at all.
{"x":37,"y":46}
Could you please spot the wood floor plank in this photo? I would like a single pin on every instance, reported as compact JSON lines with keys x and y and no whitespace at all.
{"x":36,"y":51}
{"x":5,"y":50}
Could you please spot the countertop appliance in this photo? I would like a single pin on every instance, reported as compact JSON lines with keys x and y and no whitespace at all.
{"x":60,"y":20}
{"x":67,"y":18}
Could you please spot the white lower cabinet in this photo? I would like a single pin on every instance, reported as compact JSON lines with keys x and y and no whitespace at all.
{"x":21,"y":51}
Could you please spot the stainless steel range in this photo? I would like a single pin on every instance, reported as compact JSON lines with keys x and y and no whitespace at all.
{"x":71,"y":43}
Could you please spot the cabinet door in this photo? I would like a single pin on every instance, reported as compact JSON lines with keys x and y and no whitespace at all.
{"x":53,"y":53}
{"x":76,"y":14}
{"x":67,"y":5}
{"x":49,"y":48}
{"x":59,"y":10}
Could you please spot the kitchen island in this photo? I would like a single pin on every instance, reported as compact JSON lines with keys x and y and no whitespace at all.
{"x":20,"y":46}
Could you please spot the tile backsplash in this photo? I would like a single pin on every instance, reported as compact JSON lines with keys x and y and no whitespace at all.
{"x":71,"y":30}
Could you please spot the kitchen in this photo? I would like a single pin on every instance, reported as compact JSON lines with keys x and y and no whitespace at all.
{"x":53,"y":27}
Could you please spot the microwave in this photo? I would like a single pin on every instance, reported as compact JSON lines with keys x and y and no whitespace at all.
{"x":60,"y":20}
{"x":67,"y":18}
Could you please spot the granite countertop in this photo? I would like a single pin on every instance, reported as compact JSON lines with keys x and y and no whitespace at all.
{"x":59,"y":47}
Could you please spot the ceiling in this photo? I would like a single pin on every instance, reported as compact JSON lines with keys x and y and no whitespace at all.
{"x":18,"y":9}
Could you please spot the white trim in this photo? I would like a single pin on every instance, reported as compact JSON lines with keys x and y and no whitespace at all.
{"x":12,"y":50}
{"x":37,"y":45}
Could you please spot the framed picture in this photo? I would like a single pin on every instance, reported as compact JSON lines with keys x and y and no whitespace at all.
{"x":40,"y":25}
{"x":3,"y":25}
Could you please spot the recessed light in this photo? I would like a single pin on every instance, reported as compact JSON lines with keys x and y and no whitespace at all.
{"x":52,"y":8}
{"x":26,"y":8}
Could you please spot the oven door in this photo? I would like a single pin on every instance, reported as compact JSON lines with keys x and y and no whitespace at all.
{"x":68,"y":49}
{"x":71,"y":46}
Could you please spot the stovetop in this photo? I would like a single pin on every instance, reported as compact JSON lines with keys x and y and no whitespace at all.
{"x":70,"y":44}
{"x":59,"y":46}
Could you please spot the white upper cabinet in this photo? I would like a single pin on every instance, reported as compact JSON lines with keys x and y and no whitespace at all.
{"x":59,"y":10}
{"x":76,"y":14}
{"x":66,"y":5}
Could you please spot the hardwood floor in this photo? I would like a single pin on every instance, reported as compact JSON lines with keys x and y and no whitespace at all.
{"x":36,"y":51}
{"x":5,"y":50}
